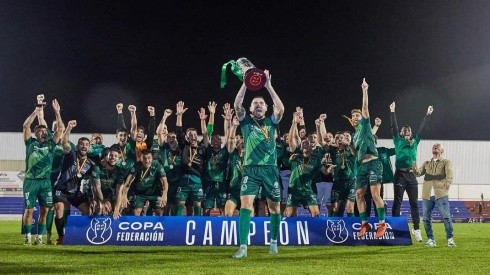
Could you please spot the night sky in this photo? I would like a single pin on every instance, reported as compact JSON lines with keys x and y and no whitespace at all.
{"x":91,"y":55}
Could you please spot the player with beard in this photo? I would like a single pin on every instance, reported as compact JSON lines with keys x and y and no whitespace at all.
{"x":405,"y":156}
{"x":193,"y":156}
{"x":304,"y":168}
{"x":150,"y":185}
{"x":75,"y":176}
{"x":370,"y":170}
{"x":37,"y":183}
{"x":260,"y":167}
{"x":170,"y":158}
{"x":217,"y":161}
{"x":126,"y":145}
{"x":342,"y":155}
{"x":325,"y":181}
{"x":236,"y":150}
{"x":111,"y":177}
{"x":142,"y":140}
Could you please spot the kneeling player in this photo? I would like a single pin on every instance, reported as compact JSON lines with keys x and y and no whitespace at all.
{"x":150,"y":184}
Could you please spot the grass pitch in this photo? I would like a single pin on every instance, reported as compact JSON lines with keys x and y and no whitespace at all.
{"x":469,"y":257}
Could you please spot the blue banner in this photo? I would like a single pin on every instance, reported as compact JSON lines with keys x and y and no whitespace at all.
{"x":219,"y":231}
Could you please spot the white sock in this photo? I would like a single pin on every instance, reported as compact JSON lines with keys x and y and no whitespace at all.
{"x":244,"y":246}
{"x":28,"y":236}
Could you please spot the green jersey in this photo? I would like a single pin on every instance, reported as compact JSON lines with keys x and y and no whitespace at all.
{"x":95,"y":152}
{"x":171,"y":161}
{"x":147,"y":180}
{"x":344,"y":161}
{"x":39,"y":158}
{"x":58,"y":157}
{"x":405,"y":151}
{"x":303,"y":172}
{"x":363,"y":139}
{"x":216,"y":164}
{"x":236,"y":167}
{"x":109,"y":178}
{"x":384,"y":155}
{"x":128,"y":155}
{"x":260,"y":145}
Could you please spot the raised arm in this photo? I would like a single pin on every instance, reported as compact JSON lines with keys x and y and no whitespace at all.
{"x":60,"y":127}
{"x":278,"y":107}
{"x":134,"y":121}
{"x":239,"y":109}
{"x":230,"y":141}
{"x":425,"y":121}
{"x":321,"y":129}
{"x":294,"y":139}
{"x":65,"y":141}
{"x":26,"y":127}
{"x":202,"y":117}
{"x":179,"y":111}
{"x":161,"y":129}
{"x":212,"y":110}
{"x":394,"y":124}
{"x":301,"y":125}
{"x":227,"y":117}
{"x":40,"y":115}
{"x":365,"y":101}
{"x":151,"y":127}
{"x":120,"y":116}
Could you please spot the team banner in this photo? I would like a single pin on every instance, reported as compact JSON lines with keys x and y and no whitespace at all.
{"x":219,"y":231}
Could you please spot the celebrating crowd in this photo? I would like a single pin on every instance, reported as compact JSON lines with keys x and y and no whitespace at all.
{"x":250,"y":167}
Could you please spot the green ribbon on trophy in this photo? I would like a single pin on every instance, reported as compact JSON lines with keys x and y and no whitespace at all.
{"x":234,"y":69}
{"x":253,"y":78}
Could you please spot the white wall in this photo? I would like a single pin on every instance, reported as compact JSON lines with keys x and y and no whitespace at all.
{"x":470,"y":159}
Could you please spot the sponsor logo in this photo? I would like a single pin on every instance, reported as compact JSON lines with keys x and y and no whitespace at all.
{"x":100,"y":230}
{"x":336,"y":231}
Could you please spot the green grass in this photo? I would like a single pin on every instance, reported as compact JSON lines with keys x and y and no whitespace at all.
{"x":469,"y":257}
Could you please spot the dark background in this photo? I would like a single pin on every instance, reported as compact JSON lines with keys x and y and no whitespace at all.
{"x":91,"y":55}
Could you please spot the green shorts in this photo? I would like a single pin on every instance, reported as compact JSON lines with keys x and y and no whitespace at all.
{"x":233,"y":194}
{"x":215,"y":192}
{"x":296,"y":199}
{"x":39,"y":189}
{"x":343,"y":190}
{"x":265,"y":176}
{"x":369,"y":173}
{"x":189,"y":189}
{"x":140,"y":200}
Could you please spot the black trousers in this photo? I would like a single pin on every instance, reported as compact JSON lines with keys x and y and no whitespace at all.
{"x":406,"y":181}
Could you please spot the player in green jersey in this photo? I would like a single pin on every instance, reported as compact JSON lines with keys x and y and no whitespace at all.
{"x":216,"y":164}
{"x":150,"y":184}
{"x":236,"y":150}
{"x":111,"y":178}
{"x":37,"y":182}
{"x":260,"y":167}
{"x":370,"y":170}
{"x":193,"y":155}
{"x":305,"y":166}
{"x":405,"y":156}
